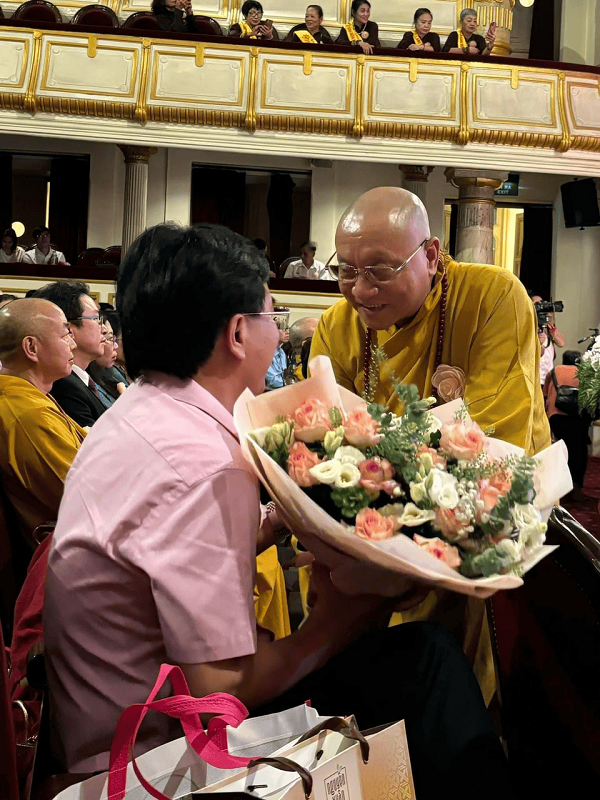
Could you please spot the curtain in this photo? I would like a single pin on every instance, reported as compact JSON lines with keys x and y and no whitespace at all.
{"x":536,"y":257}
{"x":280,"y":205}
{"x":6,"y":200}
{"x":219,"y":196}
{"x":69,"y":199}
{"x":541,"y":42}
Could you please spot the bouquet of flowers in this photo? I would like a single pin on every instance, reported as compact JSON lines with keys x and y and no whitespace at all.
{"x":426,"y":495}
{"x":588,"y":373}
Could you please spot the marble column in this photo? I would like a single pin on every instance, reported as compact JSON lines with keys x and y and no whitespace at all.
{"x":500,"y":12}
{"x":476,"y":212}
{"x":415,"y":179}
{"x":136,"y":192}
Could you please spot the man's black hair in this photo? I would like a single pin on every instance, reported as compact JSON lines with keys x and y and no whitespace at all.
{"x":66,"y":294}
{"x":176,"y":290}
{"x":39,"y":230}
{"x":571,"y":358}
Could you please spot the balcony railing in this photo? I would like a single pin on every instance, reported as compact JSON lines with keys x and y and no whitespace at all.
{"x":215,"y":81}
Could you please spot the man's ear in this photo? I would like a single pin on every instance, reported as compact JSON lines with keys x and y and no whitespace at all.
{"x":432,"y":254}
{"x":235,"y":336}
{"x":29,"y":345}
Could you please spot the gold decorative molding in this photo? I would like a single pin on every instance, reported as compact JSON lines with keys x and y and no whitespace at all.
{"x":250,"y":122}
{"x":565,"y":139}
{"x":29,"y":102}
{"x":137,"y":155}
{"x":414,"y":172}
{"x":141,"y":110}
{"x":464,"y":134}
{"x":91,"y":46}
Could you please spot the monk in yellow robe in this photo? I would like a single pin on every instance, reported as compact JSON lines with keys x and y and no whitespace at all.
{"x":420,"y":311}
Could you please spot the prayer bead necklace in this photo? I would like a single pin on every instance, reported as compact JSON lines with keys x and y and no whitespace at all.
{"x":440,"y":340}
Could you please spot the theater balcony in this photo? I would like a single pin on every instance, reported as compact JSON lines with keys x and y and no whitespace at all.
{"x":211,"y":92}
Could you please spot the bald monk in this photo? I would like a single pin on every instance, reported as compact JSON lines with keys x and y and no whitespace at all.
{"x":38,"y":441}
{"x":395,"y":285}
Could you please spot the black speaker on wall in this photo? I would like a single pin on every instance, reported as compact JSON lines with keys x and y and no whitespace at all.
{"x":580,"y":203}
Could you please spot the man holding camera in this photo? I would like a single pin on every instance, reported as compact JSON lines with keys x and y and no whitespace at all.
{"x":548,"y":334}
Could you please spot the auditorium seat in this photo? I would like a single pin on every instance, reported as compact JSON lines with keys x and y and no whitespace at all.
{"x":111,"y":256}
{"x":208,"y":25}
{"x":90,"y":257}
{"x":97,"y":15}
{"x":546,"y":638}
{"x":141,"y":20}
{"x":38,"y":11}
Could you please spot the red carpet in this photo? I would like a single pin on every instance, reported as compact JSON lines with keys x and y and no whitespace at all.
{"x":586,"y":512}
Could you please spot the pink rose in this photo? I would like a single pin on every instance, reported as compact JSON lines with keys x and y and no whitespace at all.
{"x":448,"y":523}
{"x":300,"y":460}
{"x":370,"y":524}
{"x":311,"y":421}
{"x":462,"y":440}
{"x":374,"y":472}
{"x":361,"y":429}
{"x":449,"y":382}
{"x":438,"y":460}
{"x":501,"y":481}
{"x":441,"y":550}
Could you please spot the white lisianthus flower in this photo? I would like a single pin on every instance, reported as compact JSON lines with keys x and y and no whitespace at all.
{"x":426,"y":462}
{"x":413,"y":516}
{"x":418,"y":492}
{"x":349,"y":455}
{"x":259,"y":435}
{"x":511,"y":549}
{"x":334,"y":438}
{"x":531,"y":539}
{"x":433,"y":424}
{"x":349,"y":476}
{"x":327,"y":471}
{"x":391,"y":509}
{"x":525,"y":516}
{"x":442,"y":489}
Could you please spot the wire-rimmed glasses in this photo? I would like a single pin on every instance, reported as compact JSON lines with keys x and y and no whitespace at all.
{"x":346,"y":273}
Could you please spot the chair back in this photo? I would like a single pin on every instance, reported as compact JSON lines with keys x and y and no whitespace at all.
{"x":285,"y":264}
{"x":111,"y":256}
{"x":89,"y":257}
{"x":141,"y":20}
{"x":97,"y":15}
{"x":9,"y":784}
{"x":208,"y":25}
{"x":546,"y":637}
{"x":38,"y":11}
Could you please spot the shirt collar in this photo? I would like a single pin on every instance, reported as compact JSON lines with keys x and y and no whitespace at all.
{"x":187,"y":390}
{"x":82,"y":374}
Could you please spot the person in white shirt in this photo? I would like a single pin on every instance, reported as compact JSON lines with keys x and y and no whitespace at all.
{"x":10,"y":252}
{"x":42,"y":252}
{"x":307,"y":266}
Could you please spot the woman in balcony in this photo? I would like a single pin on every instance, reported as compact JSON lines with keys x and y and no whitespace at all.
{"x":253,"y":26}
{"x":311,"y":30}
{"x":422,"y":38}
{"x":175,"y":15}
{"x":466,"y":40}
{"x":360,"y":31}
{"x":10,"y":252}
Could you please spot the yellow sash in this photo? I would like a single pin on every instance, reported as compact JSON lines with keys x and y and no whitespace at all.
{"x":462,"y":42}
{"x":247,"y":30}
{"x":305,"y":37}
{"x":353,"y":36}
{"x":417,"y":39}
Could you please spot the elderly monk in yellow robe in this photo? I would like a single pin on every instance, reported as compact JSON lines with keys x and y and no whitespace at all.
{"x":38,"y":441}
{"x":424,"y":310}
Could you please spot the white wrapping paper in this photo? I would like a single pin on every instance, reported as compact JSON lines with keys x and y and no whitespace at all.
{"x":357,"y":565}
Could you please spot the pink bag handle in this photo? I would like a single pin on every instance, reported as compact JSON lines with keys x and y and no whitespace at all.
{"x":210,"y":745}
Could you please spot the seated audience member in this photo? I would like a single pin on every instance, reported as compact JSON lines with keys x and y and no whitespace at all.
{"x":311,"y":30}
{"x":307,"y":266}
{"x":360,"y":30}
{"x":253,"y":26}
{"x":274,"y":379}
{"x":571,"y":428}
{"x":301,"y":332}
{"x":42,"y":252}
{"x":7,"y":298}
{"x":99,"y":366}
{"x":122,"y":589}
{"x":175,"y":15}
{"x":116,"y":379}
{"x":77,"y":392}
{"x":466,"y":40}
{"x":261,"y":246}
{"x":39,"y":441}
{"x":422,"y":37}
{"x":11,"y":253}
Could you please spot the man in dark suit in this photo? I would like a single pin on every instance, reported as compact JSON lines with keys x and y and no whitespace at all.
{"x":77,"y":393}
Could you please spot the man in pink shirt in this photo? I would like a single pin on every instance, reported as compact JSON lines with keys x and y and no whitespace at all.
{"x":154,"y":551}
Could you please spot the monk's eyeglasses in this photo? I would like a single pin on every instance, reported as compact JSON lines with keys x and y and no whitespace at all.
{"x":347,"y":274}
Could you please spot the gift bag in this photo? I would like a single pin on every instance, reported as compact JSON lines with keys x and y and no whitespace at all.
{"x":332,"y":762}
{"x":175,"y":769}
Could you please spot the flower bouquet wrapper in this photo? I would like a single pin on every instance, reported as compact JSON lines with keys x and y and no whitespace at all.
{"x":357,"y":565}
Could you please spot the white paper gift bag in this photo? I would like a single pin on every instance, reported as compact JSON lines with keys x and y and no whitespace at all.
{"x":340,"y":768}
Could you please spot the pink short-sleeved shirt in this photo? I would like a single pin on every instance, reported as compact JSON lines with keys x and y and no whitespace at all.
{"x":153,"y":561}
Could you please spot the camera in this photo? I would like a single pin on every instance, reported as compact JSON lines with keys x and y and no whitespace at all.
{"x":543,"y":309}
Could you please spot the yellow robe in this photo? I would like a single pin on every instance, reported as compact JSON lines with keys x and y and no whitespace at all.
{"x":491,"y":334}
{"x":39,"y":443}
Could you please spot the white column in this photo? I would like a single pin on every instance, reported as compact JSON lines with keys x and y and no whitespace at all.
{"x":415,"y":180}
{"x":136,"y":192}
{"x":476,"y":207}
